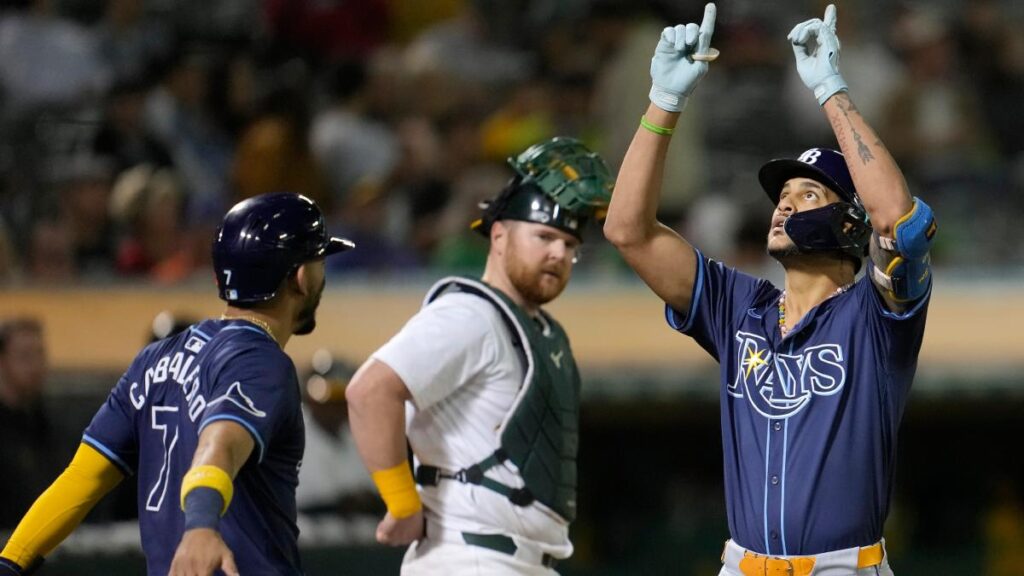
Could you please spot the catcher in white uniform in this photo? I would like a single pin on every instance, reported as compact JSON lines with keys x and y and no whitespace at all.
{"x":483,"y":386}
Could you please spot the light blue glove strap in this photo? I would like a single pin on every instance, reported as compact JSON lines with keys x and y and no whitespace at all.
{"x":828,"y":87}
{"x":667,"y":101}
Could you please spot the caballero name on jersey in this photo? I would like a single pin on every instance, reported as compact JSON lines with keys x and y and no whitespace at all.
{"x":177,"y":368}
{"x":780,"y":385}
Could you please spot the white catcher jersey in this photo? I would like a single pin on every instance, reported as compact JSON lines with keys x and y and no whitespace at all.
{"x":457,"y":360}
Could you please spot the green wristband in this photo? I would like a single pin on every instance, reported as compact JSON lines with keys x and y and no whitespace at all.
{"x":659,"y":130}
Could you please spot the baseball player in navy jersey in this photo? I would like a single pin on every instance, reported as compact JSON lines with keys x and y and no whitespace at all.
{"x":816,"y":373}
{"x":491,"y":387}
{"x":208,"y":420}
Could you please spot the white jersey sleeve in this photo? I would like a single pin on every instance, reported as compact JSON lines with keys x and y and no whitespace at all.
{"x":447,"y":344}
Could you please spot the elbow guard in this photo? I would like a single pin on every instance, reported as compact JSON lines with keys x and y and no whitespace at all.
{"x":906,"y":277}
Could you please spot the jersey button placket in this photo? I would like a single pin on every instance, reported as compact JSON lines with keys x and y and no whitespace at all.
{"x":773,"y":481}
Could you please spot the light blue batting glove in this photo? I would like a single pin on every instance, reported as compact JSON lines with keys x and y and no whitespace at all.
{"x":674,"y":73}
{"x":816,"y":47}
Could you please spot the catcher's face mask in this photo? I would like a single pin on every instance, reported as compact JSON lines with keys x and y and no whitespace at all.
{"x":559,"y":183}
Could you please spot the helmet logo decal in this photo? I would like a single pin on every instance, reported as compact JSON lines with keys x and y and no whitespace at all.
{"x":810,"y":156}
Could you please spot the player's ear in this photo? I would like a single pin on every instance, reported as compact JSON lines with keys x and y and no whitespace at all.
{"x":499,"y":235}
{"x":298,"y":281}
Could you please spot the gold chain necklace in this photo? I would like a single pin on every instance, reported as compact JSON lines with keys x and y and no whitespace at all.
{"x":261,"y":323}
{"x":782,"y":307}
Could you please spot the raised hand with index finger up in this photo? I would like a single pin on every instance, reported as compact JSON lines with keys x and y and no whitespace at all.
{"x":816,"y":48}
{"x":674,"y":70}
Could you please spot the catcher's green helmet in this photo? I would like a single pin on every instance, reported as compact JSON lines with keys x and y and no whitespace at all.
{"x":559,"y":182}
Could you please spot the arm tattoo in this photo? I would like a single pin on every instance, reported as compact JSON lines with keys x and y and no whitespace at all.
{"x":847,"y":106}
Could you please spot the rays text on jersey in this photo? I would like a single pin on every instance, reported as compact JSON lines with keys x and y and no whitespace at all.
{"x":780,"y":385}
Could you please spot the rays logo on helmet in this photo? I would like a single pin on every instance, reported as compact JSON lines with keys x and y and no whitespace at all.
{"x":810,"y":156}
{"x":238,"y":398}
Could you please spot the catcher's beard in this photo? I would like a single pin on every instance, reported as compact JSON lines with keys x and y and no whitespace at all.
{"x":536,"y":283}
{"x":307,"y":316}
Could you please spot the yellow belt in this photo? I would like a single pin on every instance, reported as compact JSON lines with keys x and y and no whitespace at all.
{"x":758,"y":565}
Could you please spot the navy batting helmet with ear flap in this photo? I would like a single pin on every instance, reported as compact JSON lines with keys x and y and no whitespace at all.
{"x":842,"y":227}
{"x":264,"y":239}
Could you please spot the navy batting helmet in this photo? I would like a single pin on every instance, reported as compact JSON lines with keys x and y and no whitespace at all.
{"x":841,"y":227}
{"x":264,"y":239}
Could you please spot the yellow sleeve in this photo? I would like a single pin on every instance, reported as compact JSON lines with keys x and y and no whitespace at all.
{"x":63,"y":506}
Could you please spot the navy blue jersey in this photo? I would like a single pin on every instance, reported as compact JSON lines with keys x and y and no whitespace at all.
{"x":150,"y":424}
{"x":809,"y":422}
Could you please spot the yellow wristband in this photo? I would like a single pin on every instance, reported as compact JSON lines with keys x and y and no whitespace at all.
{"x":659,"y":130}
{"x":398,"y":490}
{"x":209,"y":477}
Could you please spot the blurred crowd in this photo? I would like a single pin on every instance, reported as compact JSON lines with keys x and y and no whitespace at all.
{"x":127,"y":127}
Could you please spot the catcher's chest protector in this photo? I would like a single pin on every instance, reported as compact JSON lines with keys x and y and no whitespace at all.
{"x":540,"y":435}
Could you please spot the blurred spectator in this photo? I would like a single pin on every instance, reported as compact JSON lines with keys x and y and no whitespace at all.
{"x":51,"y":257}
{"x":525,"y":118}
{"x":350,"y":145}
{"x":235,"y":87}
{"x":457,"y":56}
{"x":461,"y":250}
{"x":149,"y":204}
{"x":8,"y":263}
{"x":410,"y":17}
{"x":332,"y":478}
{"x":932,"y":121}
{"x":27,"y":446}
{"x":273,"y":153}
{"x":83,"y":188}
{"x":328,"y":30}
{"x":129,"y":42}
{"x":364,"y":220}
{"x":993,"y":51}
{"x":427,"y":202}
{"x":748,"y":90}
{"x":459,"y":142}
{"x":934,"y":126}
{"x":421,"y":150}
{"x":123,"y":135}
{"x":46,"y":60}
{"x":175,"y":112}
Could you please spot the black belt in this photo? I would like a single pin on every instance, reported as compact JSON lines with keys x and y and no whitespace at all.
{"x":503,"y":544}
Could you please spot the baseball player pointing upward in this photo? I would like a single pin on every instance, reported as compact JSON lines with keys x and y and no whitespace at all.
{"x":815,"y":375}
